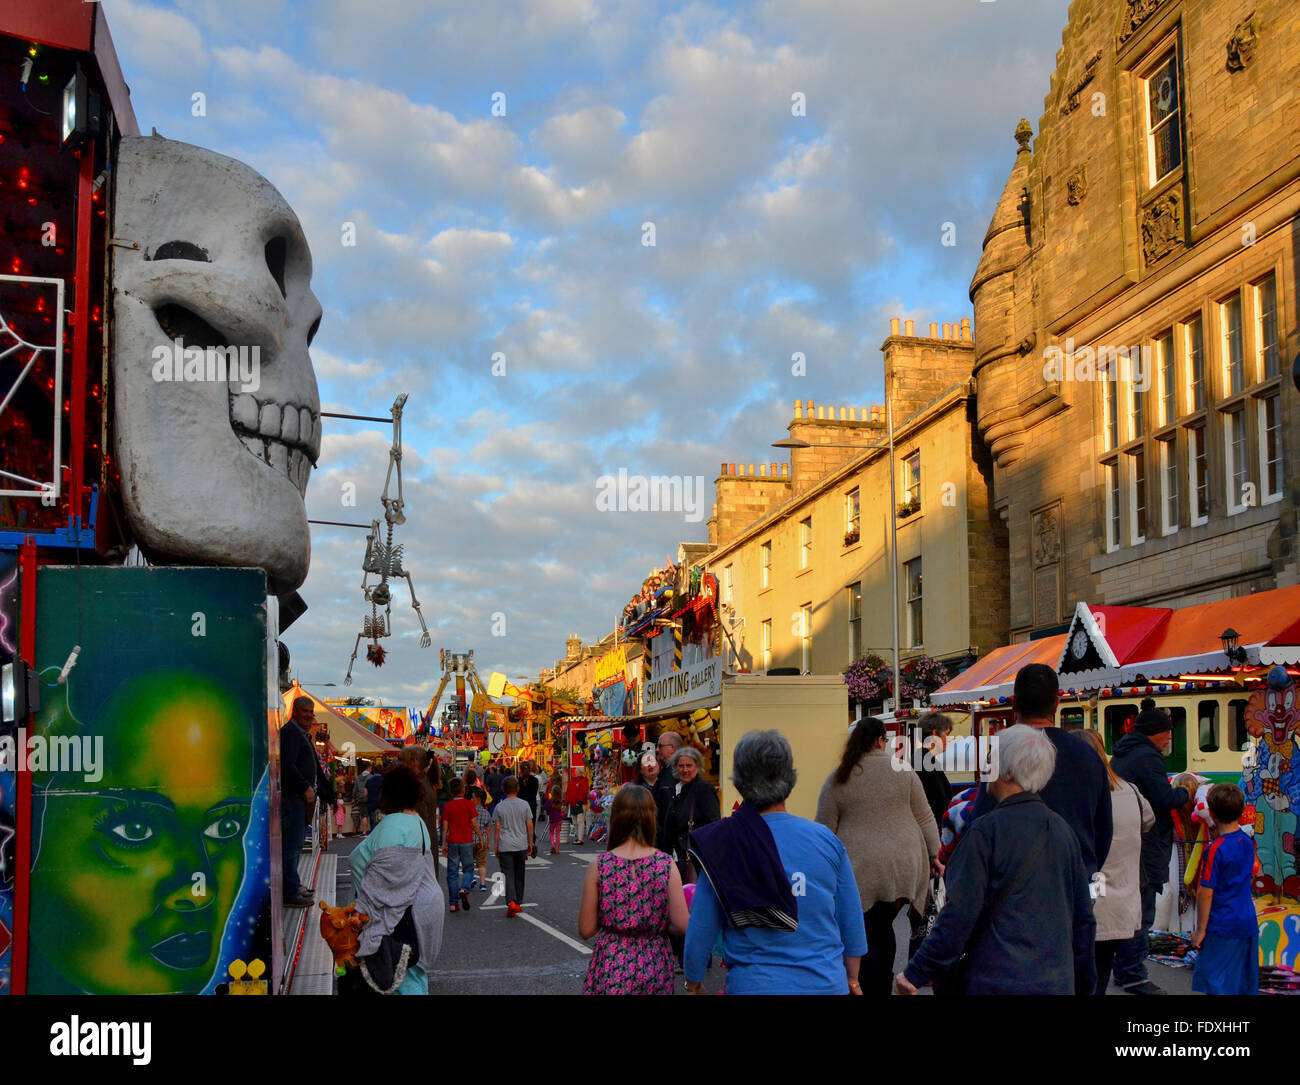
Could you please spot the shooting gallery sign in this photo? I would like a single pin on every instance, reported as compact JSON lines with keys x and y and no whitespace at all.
{"x":692,"y":683}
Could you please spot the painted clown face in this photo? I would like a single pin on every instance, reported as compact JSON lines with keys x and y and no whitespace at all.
{"x":217,"y":412}
{"x":1278,"y":716}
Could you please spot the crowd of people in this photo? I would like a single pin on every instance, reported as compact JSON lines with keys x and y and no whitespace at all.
{"x":1049,"y":889}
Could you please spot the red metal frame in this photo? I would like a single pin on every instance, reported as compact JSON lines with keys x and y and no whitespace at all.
{"x":23,"y":797}
{"x":80,"y":335}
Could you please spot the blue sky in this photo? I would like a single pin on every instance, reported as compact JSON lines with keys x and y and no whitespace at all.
{"x":521,"y":234}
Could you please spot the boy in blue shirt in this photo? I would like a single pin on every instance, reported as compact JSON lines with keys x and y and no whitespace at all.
{"x":1227,"y":930}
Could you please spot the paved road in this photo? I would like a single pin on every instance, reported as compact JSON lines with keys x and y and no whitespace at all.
{"x":484,"y":952}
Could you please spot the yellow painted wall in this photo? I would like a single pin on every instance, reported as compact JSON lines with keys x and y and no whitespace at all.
{"x":812,"y":713}
{"x":938,"y":534}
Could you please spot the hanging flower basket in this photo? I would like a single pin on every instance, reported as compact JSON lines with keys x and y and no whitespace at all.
{"x":871,"y":680}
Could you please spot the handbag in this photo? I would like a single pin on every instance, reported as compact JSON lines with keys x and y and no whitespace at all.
{"x":686,"y":867}
{"x":954,"y":980}
{"x":382,"y":972}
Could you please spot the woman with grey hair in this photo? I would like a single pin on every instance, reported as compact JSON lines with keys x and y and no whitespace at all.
{"x":694,"y":803}
{"x":1018,"y":919}
{"x":889,"y":831}
{"x":778,"y":889}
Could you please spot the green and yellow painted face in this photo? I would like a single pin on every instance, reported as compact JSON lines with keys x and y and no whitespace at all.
{"x":137,"y":872}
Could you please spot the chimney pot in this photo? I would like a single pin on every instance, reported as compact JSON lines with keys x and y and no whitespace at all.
{"x":909,"y":327}
{"x":947,"y":331}
{"x":798,"y":408}
{"x":965,"y":328}
{"x":893,"y":326}
{"x":844,"y":414}
{"x":934,"y":330}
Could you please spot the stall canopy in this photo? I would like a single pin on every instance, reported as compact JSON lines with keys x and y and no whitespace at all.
{"x":342,"y":730}
{"x":1109,"y":645}
{"x":995,"y":674}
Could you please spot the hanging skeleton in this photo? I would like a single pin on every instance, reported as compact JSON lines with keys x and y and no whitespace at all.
{"x":384,"y":560}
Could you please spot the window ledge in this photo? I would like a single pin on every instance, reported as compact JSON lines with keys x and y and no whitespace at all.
{"x":1197,"y":533}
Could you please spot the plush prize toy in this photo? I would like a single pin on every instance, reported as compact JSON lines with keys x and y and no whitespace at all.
{"x":341,"y":929}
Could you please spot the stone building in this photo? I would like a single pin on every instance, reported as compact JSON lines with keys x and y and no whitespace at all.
{"x":802,"y":551}
{"x":1135,"y":313}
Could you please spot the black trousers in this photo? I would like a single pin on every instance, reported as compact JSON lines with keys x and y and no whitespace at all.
{"x":512,"y":866}
{"x":1104,"y":954}
{"x":876,"y":973}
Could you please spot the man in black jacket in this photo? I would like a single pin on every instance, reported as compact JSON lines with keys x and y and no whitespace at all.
{"x":298,"y":777}
{"x":1139,"y":759}
{"x":1079,"y":789}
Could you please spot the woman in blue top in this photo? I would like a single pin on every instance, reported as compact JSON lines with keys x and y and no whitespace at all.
{"x":778,"y":888}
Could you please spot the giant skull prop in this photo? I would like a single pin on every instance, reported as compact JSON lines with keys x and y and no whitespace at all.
{"x":213,"y":472}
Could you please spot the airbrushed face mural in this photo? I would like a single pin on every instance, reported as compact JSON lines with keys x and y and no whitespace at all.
{"x":216,"y":406}
{"x":150,"y":869}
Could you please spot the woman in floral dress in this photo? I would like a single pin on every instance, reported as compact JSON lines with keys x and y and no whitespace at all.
{"x":631,"y":901}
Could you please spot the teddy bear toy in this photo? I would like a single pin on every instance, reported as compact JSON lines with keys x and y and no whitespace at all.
{"x":341,"y":929}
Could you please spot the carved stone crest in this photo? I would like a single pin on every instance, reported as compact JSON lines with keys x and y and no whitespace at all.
{"x":1241,"y":46}
{"x":1076,"y":186}
{"x":1139,"y":11}
{"x":1162,"y":227}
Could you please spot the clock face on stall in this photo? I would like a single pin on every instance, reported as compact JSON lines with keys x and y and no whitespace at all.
{"x":1079,"y":644}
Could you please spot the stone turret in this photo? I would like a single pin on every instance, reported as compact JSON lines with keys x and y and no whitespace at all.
{"x":999,"y":345}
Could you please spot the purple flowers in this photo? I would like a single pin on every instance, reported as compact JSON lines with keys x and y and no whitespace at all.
{"x":870,"y":679}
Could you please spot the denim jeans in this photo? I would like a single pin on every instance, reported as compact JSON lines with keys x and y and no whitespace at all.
{"x":460,"y":867}
{"x":293,"y":834}
{"x":1130,"y":967}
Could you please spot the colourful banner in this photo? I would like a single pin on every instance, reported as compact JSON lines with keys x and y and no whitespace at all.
{"x":612,"y":666}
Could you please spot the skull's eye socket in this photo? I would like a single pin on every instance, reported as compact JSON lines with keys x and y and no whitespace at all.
{"x":276,"y":252}
{"x":178,"y":322}
{"x":181,"y":250}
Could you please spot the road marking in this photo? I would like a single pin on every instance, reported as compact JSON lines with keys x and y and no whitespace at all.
{"x":587,"y":858}
{"x":558,"y":934}
{"x":534,"y":863}
{"x":503,"y":907}
{"x":498,"y":888}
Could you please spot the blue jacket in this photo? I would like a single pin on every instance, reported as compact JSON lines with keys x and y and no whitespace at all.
{"x":1079,"y":791}
{"x":1137,"y":760}
{"x":1018,"y":907}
